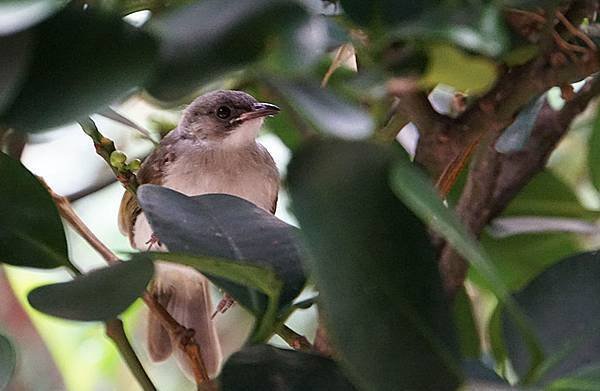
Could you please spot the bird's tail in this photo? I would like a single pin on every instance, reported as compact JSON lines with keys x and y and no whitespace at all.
{"x":185,"y":294}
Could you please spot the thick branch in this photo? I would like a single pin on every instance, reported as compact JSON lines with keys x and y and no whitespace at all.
{"x":495,"y":178}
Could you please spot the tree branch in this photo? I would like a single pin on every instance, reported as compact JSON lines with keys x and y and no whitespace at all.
{"x":495,"y":178}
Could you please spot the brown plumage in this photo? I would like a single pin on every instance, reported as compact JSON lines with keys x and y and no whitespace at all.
{"x":212,"y":150}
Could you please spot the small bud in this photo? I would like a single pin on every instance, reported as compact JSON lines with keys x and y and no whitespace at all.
{"x":134,"y":165}
{"x":117,"y":159}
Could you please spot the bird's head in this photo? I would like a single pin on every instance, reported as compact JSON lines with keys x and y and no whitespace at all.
{"x":226,"y":117}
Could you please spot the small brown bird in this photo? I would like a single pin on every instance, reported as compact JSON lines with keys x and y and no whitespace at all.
{"x":212,"y":150}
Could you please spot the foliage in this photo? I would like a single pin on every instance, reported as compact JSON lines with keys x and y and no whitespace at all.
{"x":385,"y":245}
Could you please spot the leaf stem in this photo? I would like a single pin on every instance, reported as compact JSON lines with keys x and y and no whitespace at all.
{"x":295,"y":340}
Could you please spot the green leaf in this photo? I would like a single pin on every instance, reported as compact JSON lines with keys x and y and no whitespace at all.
{"x":8,"y":361}
{"x":99,"y":295}
{"x":380,"y":13}
{"x":481,"y":378}
{"x":32,"y":234}
{"x":265,"y":367}
{"x":594,"y":153}
{"x":207,"y":39}
{"x":546,"y":195}
{"x":586,"y":378}
{"x":13,"y":65}
{"x":414,"y":189}
{"x":563,"y":307}
{"x":233,"y":275}
{"x":520,"y":258}
{"x":375,"y":269}
{"x":478,"y":28}
{"x":447,"y":65}
{"x":235,"y":230}
{"x":466,"y":328}
{"x":81,"y":61}
{"x":324,"y":110}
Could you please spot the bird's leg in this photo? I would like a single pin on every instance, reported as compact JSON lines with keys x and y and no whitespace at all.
{"x":152,"y":241}
{"x":225,"y":304}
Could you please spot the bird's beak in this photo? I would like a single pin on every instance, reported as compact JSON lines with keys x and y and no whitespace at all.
{"x":258,"y":110}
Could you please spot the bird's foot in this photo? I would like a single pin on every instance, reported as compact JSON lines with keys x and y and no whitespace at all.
{"x":225,"y":304}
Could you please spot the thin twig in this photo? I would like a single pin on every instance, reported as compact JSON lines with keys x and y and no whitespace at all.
{"x":295,"y":340}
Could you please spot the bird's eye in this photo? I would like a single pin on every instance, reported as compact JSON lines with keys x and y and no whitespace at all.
{"x":223,"y":112}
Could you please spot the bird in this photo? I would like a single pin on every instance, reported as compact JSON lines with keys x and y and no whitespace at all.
{"x":213,"y":149}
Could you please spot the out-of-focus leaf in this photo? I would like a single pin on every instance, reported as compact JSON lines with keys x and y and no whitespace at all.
{"x":546,"y":195}
{"x":267,"y":368}
{"x":207,"y":39}
{"x":531,"y":4}
{"x":80,"y":62}
{"x":101,"y":294}
{"x":509,"y":226}
{"x":110,"y":113}
{"x":477,"y":28}
{"x":482,"y":378}
{"x":415,"y":190}
{"x":230,"y":228}
{"x":234,"y":276}
{"x":323,"y":109}
{"x":18,"y":15}
{"x":586,"y":378}
{"x":380,"y":13}
{"x":447,"y":65}
{"x":563,"y":307}
{"x":32,"y":234}
{"x":516,"y":135}
{"x":13,"y":65}
{"x":8,"y":361}
{"x":520,"y":258}
{"x":594,"y":153}
{"x":375,"y":269}
{"x":466,"y":328}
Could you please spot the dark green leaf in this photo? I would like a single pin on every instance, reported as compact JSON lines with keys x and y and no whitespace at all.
{"x":8,"y":361}
{"x":520,"y":258}
{"x":375,"y":269}
{"x":207,"y":39}
{"x":516,"y":135}
{"x":242,"y":280}
{"x":267,"y":368}
{"x":101,"y":294}
{"x":324,"y":110}
{"x":416,"y":191}
{"x":563,"y":307}
{"x":546,"y":195}
{"x":81,"y":61}
{"x":13,"y":64}
{"x":466,"y":328}
{"x":478,"y":28}
{"x":379,"y":13}
{"x":481,"y":378}
{"x":31,"y":232}
{"x":230,"y":228}
{"x":594,"y":153}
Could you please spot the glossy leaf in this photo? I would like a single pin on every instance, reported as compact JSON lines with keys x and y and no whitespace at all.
{"x":227,"y":227}
{"x":375,"y":269}
{"x":205,"y":40}
{"x":81,"y":61}
{"x":594,"y":153}
{"x":324,"y":110}
{"x":32,"y":234}
{"x":379,"y":13}
{"x":563,"y":307}
{"x":99,"y":295}
{"x":267,"y":368}
{"x":234,"y":276}
{"x":415,"y":190}
{"x":466,"y":327}
{"x":8,"y":362}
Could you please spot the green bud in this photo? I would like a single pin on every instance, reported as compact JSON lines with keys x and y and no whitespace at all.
{"x":117,"y":159}
{"x":134,"y":165}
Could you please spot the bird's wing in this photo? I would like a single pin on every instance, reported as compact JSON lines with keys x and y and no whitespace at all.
{"x":150,"y":172}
